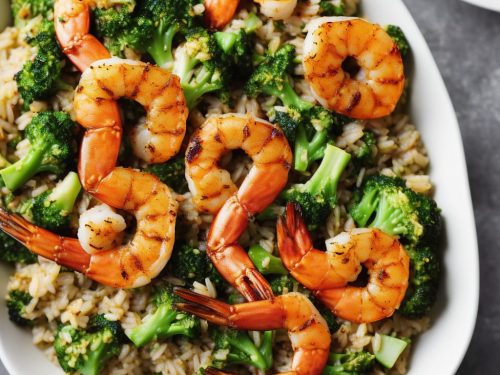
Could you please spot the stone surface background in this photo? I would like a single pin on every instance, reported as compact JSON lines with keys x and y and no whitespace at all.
{"x":465,"y":41}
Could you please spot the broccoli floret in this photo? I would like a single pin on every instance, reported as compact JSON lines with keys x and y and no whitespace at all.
{"x":350,"y":363}
{"x":51,"y":210}
{"x":198,"y":66}
{"x":41,"y":76}
{"x":386,"y":203}
{"x":252,"y":23}
{"x":166,"y":320}
{"x":423,"y":284}
{"x":52,"y":149}
{"x":283,"y":284}
{"x":87,"y":351}
{"x":330,"y":8}
{"x":399,"y":37}
{"x":171,"y":173}
{"x":364,"y":156}
{"x":23,"y":10}
{"x":318,"y":195}
{"x":121,"y":28}
{"x":266,"y":263}
{"x":234,"y":347}
{"x":169,"y":18}
{"x":191,"y":264}
{"x":16,"y":305}
{"x":236,"y":53}
{"x":207,"y":64}
{"x":309,"y":126}
{"x":12,"y":251}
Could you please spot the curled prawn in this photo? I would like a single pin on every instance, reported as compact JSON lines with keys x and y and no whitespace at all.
{"x":156,"y":140}
{"x":218,"y":13}
{"x":308,"y":331}
{"x":213,"y":191}
{"x":131,"y":265}
{"x":328,"y":273}
{"x":353,"y":67}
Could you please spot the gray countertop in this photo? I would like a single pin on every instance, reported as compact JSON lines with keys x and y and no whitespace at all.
{"x":465,"y":41}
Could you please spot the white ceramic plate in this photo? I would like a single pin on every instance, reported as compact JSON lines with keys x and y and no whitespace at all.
{"x":441,"y":349}
{"x":488,"y":4}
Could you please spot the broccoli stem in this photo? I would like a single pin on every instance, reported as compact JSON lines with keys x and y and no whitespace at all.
{"x":265,"y":262}
{"x":225,"y":40}
{"x":15,"y":175}
{"x":161,"y":46}
{"x":290,"y":98}
{"x":389,"y":218}
{"x":266,"y":348}
{"x":308,"y":151}
{"x":327,"y":176}
{"x":252,"y":23}
{"x":64,"y":195}
{"x":245,"y":345}
{"x":157,"y":326}
{"x":93,"y":364}
{"x":193,"y":93}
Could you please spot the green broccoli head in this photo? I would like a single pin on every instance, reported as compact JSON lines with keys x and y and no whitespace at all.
{"x":120,"y":29}
{"x":234,"y":347}
{"x":318,"y":195}
{"x":386,"y":203}
{"x":41,"y":76}
{"x":166,"y":321}
{"x":16,"y":304}
{"x":24,"y":10}
{"x":283,"y":284}
{"x":171,"y":173}
{"x":51,"y":210}
{"x":349,"y":363}
{"x":198,"y":65}
{"x":52,"y":150}
{"x":423,"y":284}
{"x":191,"y":264}
{"x":169,"y":18}
{"x":87,"y":351}
{"x":399,"y":37}
{"x":12,"y":251}
{"x":332,"y":8}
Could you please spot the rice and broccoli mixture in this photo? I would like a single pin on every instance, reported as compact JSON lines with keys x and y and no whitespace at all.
{"x":91,"y":328}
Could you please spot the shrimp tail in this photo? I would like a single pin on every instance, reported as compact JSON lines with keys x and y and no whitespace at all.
{"x":293,"y":238}
{"x":63,"y":250}
{"x":207,"y":308}
{"x":234,"y":265}
{"x":256,"y":316}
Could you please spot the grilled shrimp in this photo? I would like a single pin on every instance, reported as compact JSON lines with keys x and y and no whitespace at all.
{"x":353,"y":67}
{"x":328,"y":273}
{"x":72,"y":24}
{"x":218,"y":13}
{"x":156,"y":140}
{"x":131,"y":265}
{"x":100,"y":228}
{"x":214,"y":191}
{"x":308,"y":331}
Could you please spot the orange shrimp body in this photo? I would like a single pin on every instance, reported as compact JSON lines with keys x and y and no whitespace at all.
{"x":131,"y":265}
{"x":372,"y":87}
{"x":213,"y":191}
{"x":328,"y":273}
{"x":308,"y":331}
